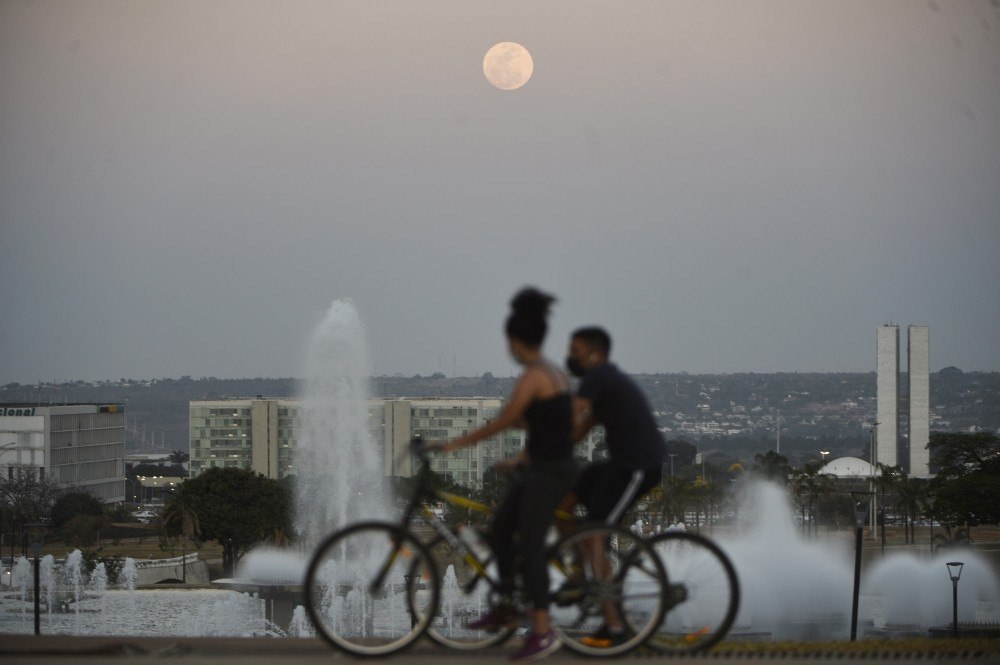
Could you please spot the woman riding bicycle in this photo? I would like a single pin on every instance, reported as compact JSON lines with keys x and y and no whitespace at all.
{"x":541,"y":402}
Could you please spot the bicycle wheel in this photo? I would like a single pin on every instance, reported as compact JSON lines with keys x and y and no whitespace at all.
{"x":703,"y":596}
{"x":465,"y":596}
{"x":362,"y":584}
{"x":597,"y":573}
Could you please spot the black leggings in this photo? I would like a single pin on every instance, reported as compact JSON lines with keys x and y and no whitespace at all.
{"x":521,"y":523}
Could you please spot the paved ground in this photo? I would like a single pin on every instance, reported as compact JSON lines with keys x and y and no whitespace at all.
{"x":59,"y":650}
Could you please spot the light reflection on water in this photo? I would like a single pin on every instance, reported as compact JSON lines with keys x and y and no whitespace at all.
{"x":173,"y":612}
{"x":220,"y":613}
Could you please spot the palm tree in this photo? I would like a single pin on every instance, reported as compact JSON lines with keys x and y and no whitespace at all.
{"x":706,"y":496}
{"x":911,"y":497}
{"x":772,"y":466}
{"x":888,"y":480}
{"x":810,"y":485}
{"x":179,"y":457}
{"x":677,"y":496}
{"x":180,"y":519}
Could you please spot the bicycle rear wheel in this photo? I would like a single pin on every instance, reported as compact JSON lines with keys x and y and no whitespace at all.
{"x":604,"y":572}
{"x":703,"y":596}
{"x":465,"y":595}
{"x":362,"y":586}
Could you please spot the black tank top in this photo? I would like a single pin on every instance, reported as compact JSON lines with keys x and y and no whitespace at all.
{"x":550,"y":427}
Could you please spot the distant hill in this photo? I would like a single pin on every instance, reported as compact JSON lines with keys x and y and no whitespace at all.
{"x":712,"y":407}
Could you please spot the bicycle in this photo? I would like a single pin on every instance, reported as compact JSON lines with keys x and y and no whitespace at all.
{"x":374,"y":588}
{"x":703,"y":594}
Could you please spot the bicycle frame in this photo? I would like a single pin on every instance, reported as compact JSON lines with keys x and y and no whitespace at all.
{"x":418,"y":506}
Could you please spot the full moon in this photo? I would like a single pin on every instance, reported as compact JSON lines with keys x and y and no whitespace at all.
{"x":508,"y":65}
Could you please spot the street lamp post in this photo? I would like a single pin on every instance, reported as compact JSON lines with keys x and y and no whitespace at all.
{"x":671,"y":456}
{"x":954,"y":572}
{"x":777,"y":433}
{"x":36,"y":533}
{"x":133,"y":489}
{"x":859,"y":501}
{"x":873,"y":463}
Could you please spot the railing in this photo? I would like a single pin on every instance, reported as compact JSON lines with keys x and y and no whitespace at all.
{"x":163,"y":563}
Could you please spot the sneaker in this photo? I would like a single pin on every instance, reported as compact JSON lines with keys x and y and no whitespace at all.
{"x":605,"y":638}
{"x":499,"y":617}
{"x":536,"y":646}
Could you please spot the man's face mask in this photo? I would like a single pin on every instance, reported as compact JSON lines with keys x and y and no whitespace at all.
{"x":574,"y":366}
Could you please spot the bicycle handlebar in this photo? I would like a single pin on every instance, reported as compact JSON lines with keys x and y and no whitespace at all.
{"x":419,"y":447}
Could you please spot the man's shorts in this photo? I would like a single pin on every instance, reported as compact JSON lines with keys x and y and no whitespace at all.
{"x":607,"y":490}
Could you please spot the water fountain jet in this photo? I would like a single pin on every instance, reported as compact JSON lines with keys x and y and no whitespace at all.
{"x":339,"y":475}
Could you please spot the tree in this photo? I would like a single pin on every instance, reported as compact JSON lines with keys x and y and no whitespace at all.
{"x":910,"y":496}
{"x":772,"y":466}
{"x":184,"y":520}
{"x":887,"y":481}
{"x":810,"y":485}
{"x":678,"y":494}
{"x":178,"y":457}
{"x":168,"y":470}
{"x":966,"y":488}
{"x":683,"y":452}
{"x":235,"y":507}
{"x":83,"y":530}
{"x":707,"y":496}
{"x":71,"y":504}
{"x":25,"y":493}
{"x":957,"y":453}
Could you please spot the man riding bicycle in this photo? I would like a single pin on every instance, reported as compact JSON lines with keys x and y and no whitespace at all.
{"x":606,"y":395}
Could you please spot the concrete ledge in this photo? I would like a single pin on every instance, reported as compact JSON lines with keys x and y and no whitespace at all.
{"x":149,"y":572}
{"x":64,"y":648}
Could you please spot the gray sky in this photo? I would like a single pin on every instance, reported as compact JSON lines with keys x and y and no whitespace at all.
{"x":729,"y":186}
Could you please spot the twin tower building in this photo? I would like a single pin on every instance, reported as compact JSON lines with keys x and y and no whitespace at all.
{"x":903,"y":419}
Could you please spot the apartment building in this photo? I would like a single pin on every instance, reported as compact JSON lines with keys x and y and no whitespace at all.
{"x":261,"y":434}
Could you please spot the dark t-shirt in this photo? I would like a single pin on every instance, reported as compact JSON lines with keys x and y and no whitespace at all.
{"x":619,"y":404}
{"x":550,"y":428}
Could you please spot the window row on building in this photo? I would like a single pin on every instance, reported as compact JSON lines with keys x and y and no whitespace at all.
{"x":267,"y":441}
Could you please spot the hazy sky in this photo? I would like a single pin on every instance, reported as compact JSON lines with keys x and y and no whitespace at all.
{"x":186,"y":186}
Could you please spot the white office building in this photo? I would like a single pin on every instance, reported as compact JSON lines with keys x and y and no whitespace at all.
{"x":76,"y":446}
{"x":919,"y":403}
{"x":903,"y":418}
{"x":887,"y":395}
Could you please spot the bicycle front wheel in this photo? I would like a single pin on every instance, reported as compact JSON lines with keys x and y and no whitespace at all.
{"x":703,"y":596}
{"x":604,"y":576}
{"x":371,"y":589}
{"x":466,"y":595}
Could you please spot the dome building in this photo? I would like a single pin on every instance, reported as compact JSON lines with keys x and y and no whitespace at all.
{"x":848,"y":467}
